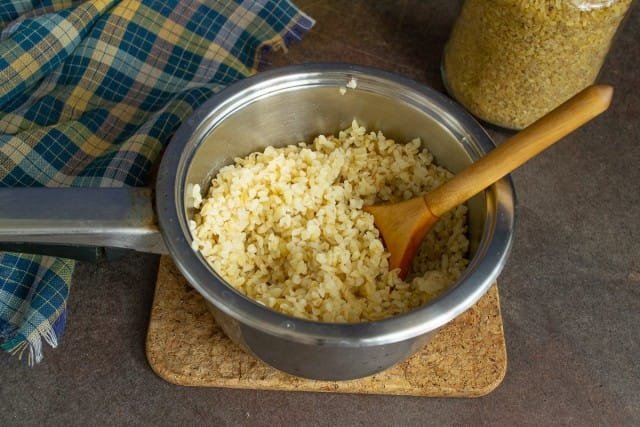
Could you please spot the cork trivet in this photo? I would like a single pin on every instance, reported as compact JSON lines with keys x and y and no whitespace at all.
{"x":466,"y":358}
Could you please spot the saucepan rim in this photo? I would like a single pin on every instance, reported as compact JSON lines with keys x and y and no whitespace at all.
{"x":483,"y":269}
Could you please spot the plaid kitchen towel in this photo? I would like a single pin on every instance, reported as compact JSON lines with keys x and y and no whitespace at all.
{"x":90,"y":92}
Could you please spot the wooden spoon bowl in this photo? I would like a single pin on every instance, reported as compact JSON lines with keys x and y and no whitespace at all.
{"x":403,"y":225}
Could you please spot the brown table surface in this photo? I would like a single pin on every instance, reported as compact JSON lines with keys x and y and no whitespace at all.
{"x":570,"y":292}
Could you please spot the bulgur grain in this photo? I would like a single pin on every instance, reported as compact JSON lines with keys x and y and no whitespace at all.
{"x":509,"y":62}
{"x":286,"y":227}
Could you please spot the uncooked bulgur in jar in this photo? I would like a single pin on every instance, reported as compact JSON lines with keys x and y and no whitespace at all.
{"x":509,"y":62}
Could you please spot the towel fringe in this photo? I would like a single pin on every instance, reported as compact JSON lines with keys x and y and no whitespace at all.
{"x":281,"y":42}
{"x":32,"y":347}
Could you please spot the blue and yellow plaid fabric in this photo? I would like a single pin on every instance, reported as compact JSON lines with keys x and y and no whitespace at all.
{"x":90,"y":92}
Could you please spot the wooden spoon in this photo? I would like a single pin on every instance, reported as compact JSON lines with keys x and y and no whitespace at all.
{"x":403,"y":225}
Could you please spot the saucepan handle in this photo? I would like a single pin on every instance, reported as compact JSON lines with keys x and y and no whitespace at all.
{"x":80,"y":223}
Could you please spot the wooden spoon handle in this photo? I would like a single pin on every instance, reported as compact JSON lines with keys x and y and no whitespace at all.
{"x":512,"y":153}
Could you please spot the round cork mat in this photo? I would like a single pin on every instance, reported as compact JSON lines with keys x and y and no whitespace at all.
{"x":466,"y":358}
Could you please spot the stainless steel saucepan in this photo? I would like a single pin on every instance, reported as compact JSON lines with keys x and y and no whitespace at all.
{"x":280,"y":107}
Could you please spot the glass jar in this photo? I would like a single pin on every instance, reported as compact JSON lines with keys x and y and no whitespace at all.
{"x":509,"y":62}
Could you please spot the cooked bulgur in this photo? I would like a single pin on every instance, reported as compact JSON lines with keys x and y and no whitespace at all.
{"x":286,"y":227}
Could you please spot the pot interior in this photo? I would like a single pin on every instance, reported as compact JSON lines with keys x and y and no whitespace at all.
{"x":280,"y":116}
